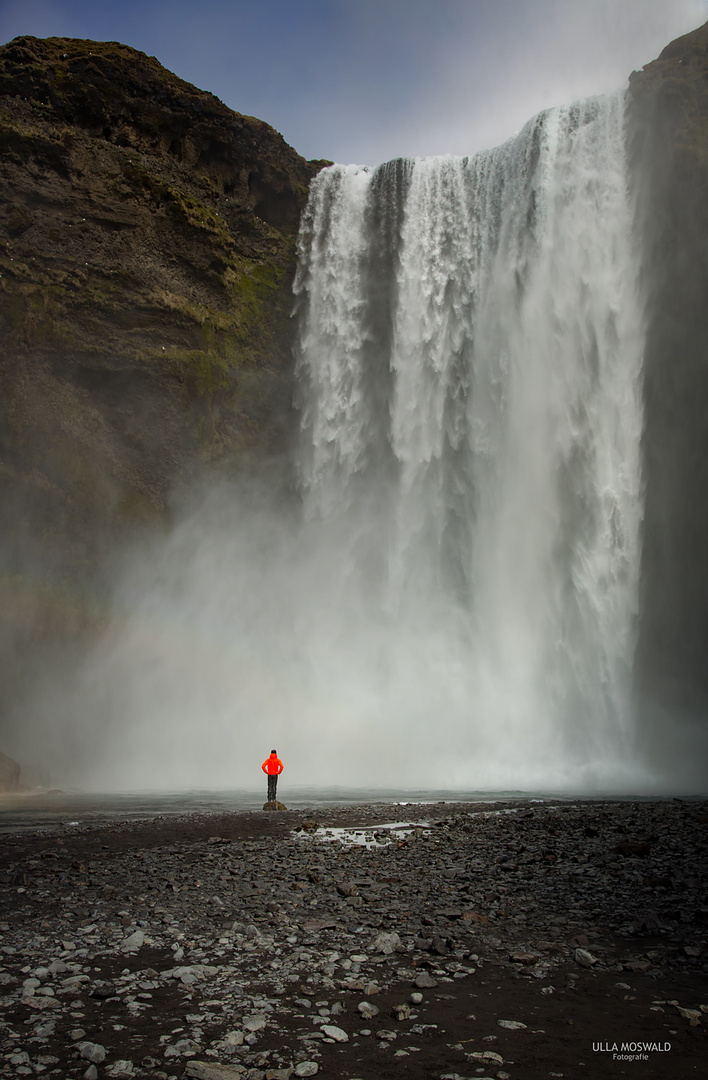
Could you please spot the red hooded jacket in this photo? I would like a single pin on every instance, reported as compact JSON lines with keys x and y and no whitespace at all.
{"x":273,"y":766}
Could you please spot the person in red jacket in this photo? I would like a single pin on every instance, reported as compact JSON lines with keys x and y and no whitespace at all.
{"x":272,"y":767}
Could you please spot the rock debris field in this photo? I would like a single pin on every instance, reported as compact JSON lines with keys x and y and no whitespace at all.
{"x":442,"y":941}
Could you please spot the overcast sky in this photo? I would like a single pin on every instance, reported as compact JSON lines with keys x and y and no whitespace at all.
{"x":367,"y":80}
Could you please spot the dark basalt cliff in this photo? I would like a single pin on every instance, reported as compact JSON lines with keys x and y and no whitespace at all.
{"x":669,"y":146}
{"x":147,"y":240}
{"x":147,"y":247}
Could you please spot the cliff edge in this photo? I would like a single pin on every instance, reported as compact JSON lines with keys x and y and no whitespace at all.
{"x":146,"y":254}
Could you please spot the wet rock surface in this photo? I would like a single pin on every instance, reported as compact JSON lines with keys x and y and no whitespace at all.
{"x":447,"y":940}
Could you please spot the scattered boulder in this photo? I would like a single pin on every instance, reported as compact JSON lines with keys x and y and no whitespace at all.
{"x":387,"y":943}
{"x":333,"y":1032}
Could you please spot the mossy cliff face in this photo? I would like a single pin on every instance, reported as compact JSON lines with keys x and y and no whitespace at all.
{"x":669,"y":145}
{"x":147,"y":238}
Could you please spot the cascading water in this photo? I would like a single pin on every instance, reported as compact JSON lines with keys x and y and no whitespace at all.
{"x":469,"y":365}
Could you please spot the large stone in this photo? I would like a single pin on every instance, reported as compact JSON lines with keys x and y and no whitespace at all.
{"x":120,"y":1070}
{"x":274,"y":804}
{"x":387,"y":942}
{"x":93,"y":1052}
{"x":367,"y":1010}
{"x":133,"y":941}
{"x":333,"y":1032}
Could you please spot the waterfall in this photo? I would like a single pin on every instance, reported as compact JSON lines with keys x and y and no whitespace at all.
{"x":469,"y":369}
{"x":451,"y":601}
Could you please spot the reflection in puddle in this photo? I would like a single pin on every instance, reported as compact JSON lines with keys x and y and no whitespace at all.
{"x":368,"y":836}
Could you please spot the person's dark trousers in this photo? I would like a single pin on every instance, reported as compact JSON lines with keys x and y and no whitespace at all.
{"x":272,"y":785}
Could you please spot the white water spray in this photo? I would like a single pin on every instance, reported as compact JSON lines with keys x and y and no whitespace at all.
{"x":470,"y":359}
{"x":454,"y":603}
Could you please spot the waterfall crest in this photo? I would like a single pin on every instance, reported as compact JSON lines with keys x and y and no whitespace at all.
{"x":469,"y":368}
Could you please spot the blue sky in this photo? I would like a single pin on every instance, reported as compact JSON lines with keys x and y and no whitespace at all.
{"x":367,"y":80}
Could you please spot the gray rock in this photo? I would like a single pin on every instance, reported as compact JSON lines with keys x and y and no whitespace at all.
{"x":182,"y":1048}
{"x":424,"y":981}
{"x":367,"y":1010}
{"x":254,"y":1023}
{"x":74,"y":981}
{"x":307,"y":1068}
{"x":636,"y":965}
{"x":133,"y":941}
{"x":486,"y":1057}
{"x":93,"y":1052}
{"x":584,"y":958}
{"x":387,"y":943}
{"x":336,"y":1033}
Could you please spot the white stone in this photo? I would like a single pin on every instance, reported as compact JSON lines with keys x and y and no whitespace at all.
{"x":336,"y":1033}
{"x":233,"y":1038}
{"x":135,"y":940}
{"x":387,"y":943}
{"x":367,"y":1010}
{"x":254,"y":1023}
{"x":120,"y":1069}
{"x":307,"y":1068}
{"x":182,"y":1047}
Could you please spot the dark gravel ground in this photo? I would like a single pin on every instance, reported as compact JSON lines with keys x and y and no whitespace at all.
{"x":246,"y":945}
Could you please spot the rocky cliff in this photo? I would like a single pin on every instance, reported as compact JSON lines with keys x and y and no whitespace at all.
{"x":146,"y":253}
{"x":669,"y":145}
{"x":147,"y":237}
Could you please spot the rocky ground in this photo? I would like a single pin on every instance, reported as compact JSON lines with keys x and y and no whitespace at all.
{"x":485,"y":940}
